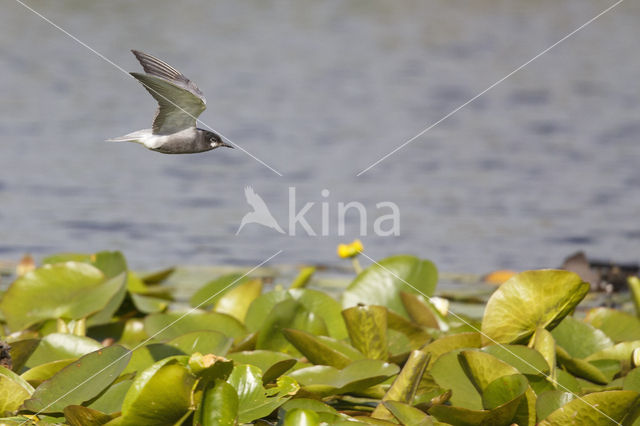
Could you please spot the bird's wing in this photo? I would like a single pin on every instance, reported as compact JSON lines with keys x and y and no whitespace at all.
{"x":178,"y":108}
{"x":255,"y":200}
{"x":180,"y":101}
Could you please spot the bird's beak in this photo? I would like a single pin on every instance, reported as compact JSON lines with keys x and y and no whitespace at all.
{"x":226,"y":144}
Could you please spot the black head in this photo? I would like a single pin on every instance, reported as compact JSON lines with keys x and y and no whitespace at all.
{"x":214,"y":140}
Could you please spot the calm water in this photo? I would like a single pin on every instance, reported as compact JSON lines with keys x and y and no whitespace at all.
{"x":545,"y":164}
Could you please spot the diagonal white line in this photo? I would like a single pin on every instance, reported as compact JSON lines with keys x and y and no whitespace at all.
{"x":581,"y":27}
{"x":189,"y":312}
{"x":459,"y":318}
{"x":77,"y":40}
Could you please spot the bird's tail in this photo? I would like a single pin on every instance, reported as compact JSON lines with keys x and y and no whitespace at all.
{"x":131,"y":137}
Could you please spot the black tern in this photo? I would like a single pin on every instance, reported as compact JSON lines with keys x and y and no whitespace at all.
{"x":180,"y":102}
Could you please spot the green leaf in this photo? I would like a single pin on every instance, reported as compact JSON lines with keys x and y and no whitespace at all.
{"x":273,"y":364}
{"x":580,"y":339}
{"x":211,"y":292}
{"x":159,"y":395}
{"x":301,"y":417}
{"x":147,"y":355}
{"x":110,"y":400}
{"x":237,"y":299}
{"x":503,"y":390}
{"x":287,"y":314}
{"x":322,"y":349}
{"x":529,"y":300}
{"x":404,"y":387}
{"x":483,"y":368}
{"x":382,"y":282}
{"x":59,"y":346}
{"x":545,"y":344}
{"x":79,"y":381}
{"x":447,"y":344}
{"x":619,"y":326}
{"x":325,"y":413}
{"x":171,"y":325}
{"x":550,"y":401}
{"x":219,"y":406}
{"x":526,"y":360}
{"x":67,"y":290}
{"x":206,"y":342}
{"x":38,"y":374}
{"x":632,"y":380}
{"x":20,"y":352}
{"x":417,"y":336}
{"x":598,"y":408}
{"x":77,"y":415}
{"x":14,"y":390}
{"x":621,"y":352}
{"x":148,"y":304}
{"x":254,"y":400}
{"x":634,"y":287}
{"x":448,"y":374}
{"x":158,"y":277}
{"x":367,"y":327}
{"x":262,"y":306}
{"x":357,"y":376}
{"x":408,"y":415}
{"x":580,"y":367}
{"x":420,"y":310}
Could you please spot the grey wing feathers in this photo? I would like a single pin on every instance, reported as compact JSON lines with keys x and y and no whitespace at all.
{"x":178,"y":107}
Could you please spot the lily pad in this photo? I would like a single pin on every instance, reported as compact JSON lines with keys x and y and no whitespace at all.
{"x":449,"y":343}
{"x":367,"y":327}
{"x":110,"y":400}
{"x":619,"y":326}
{"x":357,"y":376}
{"x":14,"y":390}
{"x":254,"y":401}
{"x":219,"y":406}
{"x":206,"y":342}
{"x":596,"y":408}
{"x":159,"y":395}
{"x":301,"y":417}
{"x":580,"y":339}
{"x":382,"y":282}
{"x":408,"y":415}
{"x":171,"y":325}
{"x":530,"y":300}
{"x":550,"y":401}
{"x":20,"y":352}
{"x":80,"y":381}
{"x":36,"y":375}
{"x":77,"y":415}
{"x":236,"y":300}
{"x":272,"y":364}
{"x":69,"y":290}
{"x":322,"y":349}
{"x":526,"y":360}
{"x":59,"y":346}
{"x":211,"y":292}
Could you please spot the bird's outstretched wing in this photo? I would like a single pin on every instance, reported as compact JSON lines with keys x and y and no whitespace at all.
{"x":255,"y":201}
{"x":180,"y":102}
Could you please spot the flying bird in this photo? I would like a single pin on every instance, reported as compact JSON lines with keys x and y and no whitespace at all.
{"x":260,"y":214}
{"x":180,"y":102}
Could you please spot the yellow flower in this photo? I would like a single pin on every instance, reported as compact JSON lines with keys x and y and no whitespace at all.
{"x":350,"y":250}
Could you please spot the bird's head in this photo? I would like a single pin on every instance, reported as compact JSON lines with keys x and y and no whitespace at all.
{"x":215,"y":140}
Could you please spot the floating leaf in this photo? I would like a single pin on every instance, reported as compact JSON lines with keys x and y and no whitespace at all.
{"x":322,"y":349}
{"x":448,"y":374}
{"x":367,"y":327}
{"x":77,"y":415}
{"x":526,"y":360}
{"x":301,"y":417}
{"x":272,"y":364}
{"x":580,"y":339}
{"x":159,"y":395}
{"x":59,"y":346}
{"x":14,"y":390}
{"x":503,"y":390}
{"x":483,"y":368}
{"x":237,"y":299}
{"x":449,"y":343}
{"x":550,"y":401}
{"x":417,"y":336}
{"x":20,"y":352}
{"x":580,"y":367}
{"x":254,"y":400}
{"x":408,"y":415}
{"x":158,"y":277}
{"x":404,"y":387}
{"x":357,"y":376}
{"x":287,"y":314}
{"x":619,"y":326}
{"x":206,"y":342}
{"x":36,"y":375}
{"x":148,"y":304}
{"x":420,"y":310}
{"x":67,"y":290}
{"x":325,"y":413}
{"x":79,"y":381}
{"x":110,"y":401}
{"x":530,"y":300}
{"x":147,"y":355}
{"x":219,"y":406}
{"x":382,"y":282}
{"x":171,"y":325}
{"x":545,"y":344}
{"x":211,"y":292}
{"x":598,"y":408}
{"x":621,"y":352}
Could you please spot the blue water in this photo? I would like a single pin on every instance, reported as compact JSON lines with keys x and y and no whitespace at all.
{"x":544,"y":164}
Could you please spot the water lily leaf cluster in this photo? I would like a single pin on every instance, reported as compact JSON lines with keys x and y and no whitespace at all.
{"x":94,"y":343}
